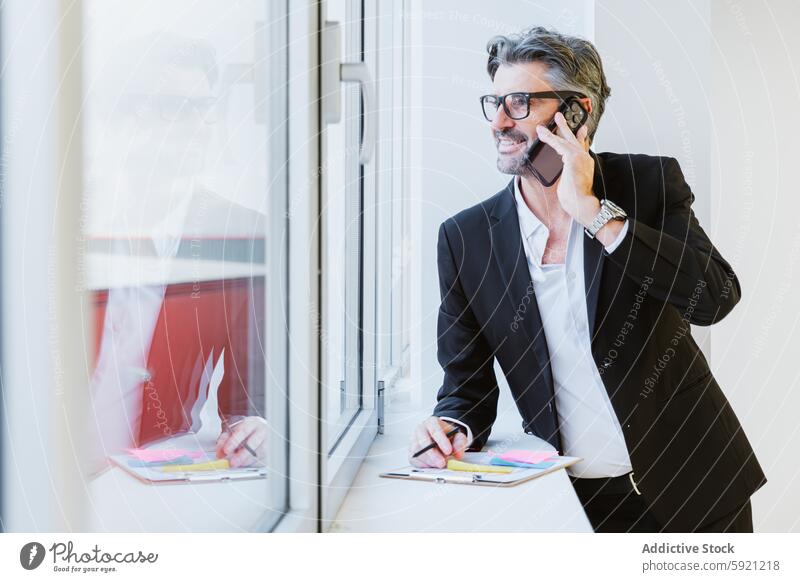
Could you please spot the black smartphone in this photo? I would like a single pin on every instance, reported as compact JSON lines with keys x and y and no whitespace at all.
{"x":544,"y":161}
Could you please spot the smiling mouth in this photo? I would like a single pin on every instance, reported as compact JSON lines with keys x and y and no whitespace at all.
{"x":507,"y":146}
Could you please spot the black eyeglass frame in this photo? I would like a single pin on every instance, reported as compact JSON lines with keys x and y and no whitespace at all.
{"x":501,"y":99}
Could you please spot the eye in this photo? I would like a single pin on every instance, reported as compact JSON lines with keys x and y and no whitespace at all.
{"x":518,"y":101}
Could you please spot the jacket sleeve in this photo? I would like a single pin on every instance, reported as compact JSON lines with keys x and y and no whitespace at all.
{"x":469,"y":392}
{"x":677,"y":262}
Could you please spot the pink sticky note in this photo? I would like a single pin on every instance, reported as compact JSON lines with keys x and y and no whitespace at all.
{"x":527,"y":456}
{"x":150,"y":455}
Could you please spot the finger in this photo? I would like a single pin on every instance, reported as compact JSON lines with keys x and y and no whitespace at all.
{"x":223,"y":438}
{"x":413,"y":447}
{"x":241,"y":458}
{"x":583,"y":134}
{"x":437,"y":435}
{"x":554,"y":141}
{"x":239,"y":434}
{"x":444,"y":425}
{"x":430,"y":458}
{"x":563,"y":129}
{"x":419,"y":440}
{"x":433,"y":458}
{"x":459,"y":445}
{"x":256,"y":442}
{"x":422,"y":439}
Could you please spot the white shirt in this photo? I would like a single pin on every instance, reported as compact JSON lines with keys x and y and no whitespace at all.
{"x":588,"y":424}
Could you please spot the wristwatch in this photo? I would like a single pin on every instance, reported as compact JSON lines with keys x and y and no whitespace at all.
{"x":608,"y":211}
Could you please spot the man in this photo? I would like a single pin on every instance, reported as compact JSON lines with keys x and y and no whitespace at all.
{"x":584,"y":291}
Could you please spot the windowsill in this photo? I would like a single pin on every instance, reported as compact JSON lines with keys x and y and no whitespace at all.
{"x":107,"y":271}
{"x":120,"y":503}
{"x":376,"y":504}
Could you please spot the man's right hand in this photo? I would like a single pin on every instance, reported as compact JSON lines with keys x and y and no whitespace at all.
{"x":435,"y":430}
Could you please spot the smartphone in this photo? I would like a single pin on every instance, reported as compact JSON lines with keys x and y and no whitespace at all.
{"x":544,"y":161}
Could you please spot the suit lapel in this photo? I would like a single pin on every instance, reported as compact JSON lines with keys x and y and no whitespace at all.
{"x":510,"y":258}
{"x":507,"y":247}
{"x":593,"y":256}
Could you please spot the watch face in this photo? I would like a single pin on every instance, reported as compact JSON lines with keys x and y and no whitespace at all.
{"x":614,"y":210}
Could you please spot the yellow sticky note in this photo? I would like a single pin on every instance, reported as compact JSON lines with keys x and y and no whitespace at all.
{"x":209,"y":466}
{"x":455,"y":465}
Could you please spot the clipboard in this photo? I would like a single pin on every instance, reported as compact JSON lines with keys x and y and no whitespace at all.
{"x":152,"y":475}
{"x":515,"y":477}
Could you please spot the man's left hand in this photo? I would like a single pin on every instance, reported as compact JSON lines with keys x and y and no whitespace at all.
{"x":575,"y":183}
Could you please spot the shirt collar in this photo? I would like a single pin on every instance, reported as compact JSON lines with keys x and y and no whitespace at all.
{"x":528,"y":221}
{"x":530,"y":225}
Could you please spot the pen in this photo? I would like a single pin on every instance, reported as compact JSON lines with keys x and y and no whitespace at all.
{"x":432,"y":445}
{"x":248,"y":448}
{"x":227,"y":428}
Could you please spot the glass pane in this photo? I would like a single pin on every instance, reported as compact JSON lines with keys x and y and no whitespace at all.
{"x":176,"y":210}
{"x":342,"y":231}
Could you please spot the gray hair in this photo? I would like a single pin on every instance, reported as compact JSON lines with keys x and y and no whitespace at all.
{"x":573,"y":63}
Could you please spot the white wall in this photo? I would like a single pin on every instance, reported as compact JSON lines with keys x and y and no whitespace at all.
{"x":755,"y":210}
{"x":657,"y":62}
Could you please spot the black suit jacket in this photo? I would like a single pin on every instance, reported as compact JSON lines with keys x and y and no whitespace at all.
{"x":691,"y":459}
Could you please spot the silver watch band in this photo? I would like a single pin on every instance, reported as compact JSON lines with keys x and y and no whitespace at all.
{"x":608,"y":211}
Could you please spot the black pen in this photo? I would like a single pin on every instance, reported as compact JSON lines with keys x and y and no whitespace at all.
{"x":227,"y":428}
{"x":432,"y":445}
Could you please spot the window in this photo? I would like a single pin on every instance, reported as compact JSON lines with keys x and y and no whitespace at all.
{"x":342,"y":229}
{"x":184,"y":221}
{"x":159,"y":284}
{"x":361,"y":224}
{"x":348,"y":258}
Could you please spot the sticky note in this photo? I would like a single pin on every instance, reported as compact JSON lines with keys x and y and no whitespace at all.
{"x":532,"y":457}
{"x":504,"y":463}
{"x":217,"y":465}
{"x":157,"y":455}
{"x":185,"y":460}
{"x":455,"y":465}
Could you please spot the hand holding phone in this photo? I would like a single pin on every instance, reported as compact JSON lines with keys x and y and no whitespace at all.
{"x":544,"y":162}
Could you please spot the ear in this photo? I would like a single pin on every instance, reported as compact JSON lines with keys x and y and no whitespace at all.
{"x":587,"y":103}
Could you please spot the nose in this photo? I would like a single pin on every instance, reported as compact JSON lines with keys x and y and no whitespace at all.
{"x":501,"y":120}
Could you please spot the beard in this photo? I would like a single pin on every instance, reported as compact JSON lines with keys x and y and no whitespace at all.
{"x":514,"y":163}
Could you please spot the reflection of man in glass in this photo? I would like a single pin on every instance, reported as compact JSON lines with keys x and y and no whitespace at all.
{"x":170,"y":310}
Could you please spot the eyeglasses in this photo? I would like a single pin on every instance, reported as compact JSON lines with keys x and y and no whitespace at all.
{"x":518,"y":105}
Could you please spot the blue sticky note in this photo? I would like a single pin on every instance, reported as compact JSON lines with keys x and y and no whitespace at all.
{"x":176,"y":461}
{"x":504,"y":463}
